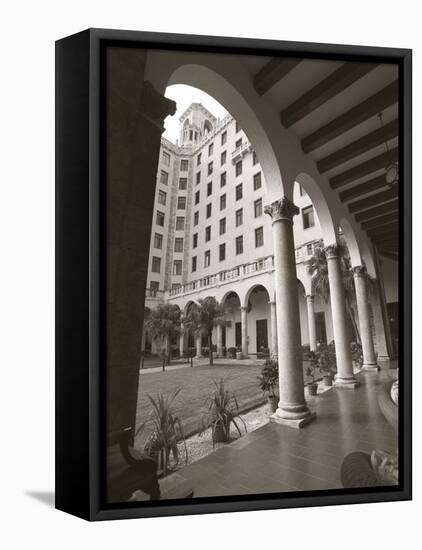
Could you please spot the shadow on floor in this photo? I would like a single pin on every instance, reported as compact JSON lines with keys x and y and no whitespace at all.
{"x":45,"y":497}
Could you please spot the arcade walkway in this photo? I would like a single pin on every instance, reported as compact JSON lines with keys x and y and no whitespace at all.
{"x":275,"y":458}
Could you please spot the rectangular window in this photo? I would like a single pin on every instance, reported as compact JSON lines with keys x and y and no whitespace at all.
{"x":154,"y":287}
{"x":209,"y":210}
{"x":162,"y":197}
{"x":178,"y":244}
{"x":164,"y":177}
{"x":301,"y":191}
{"x":166,"y":159}
{"x":181,"y":203}
{"x":222,"y":252}
{"x":175,"y":285}
{"x":159,"y":220}
{"x":238,"y":128}
{"x":257,"y":206}
{"x":210,"y":168}
{"x":180,"y":223}
{"x":184,"y":165}
{"x":195,"y":240}
{"x":198,"y":177}
{"x":156,"y":264}
{"x":223,"y":202}
{"x":223,"y":138}
{"x":309,"y":249}
{"x":222,"y":226}
{"x":158,"y":241}
{"x":223,"y":179}
{"x":238,"y":143}
{"x":238,"y":168}
{"x":257,"y":181}
{"x":177,"y":267}
{"x":209,"y":188}
{"x":239,"y":217}
{"x":183,"y":183}
{"x":197,"y":197}
{"x":207,"y":233}
{"x":196,"y":218}
{"x":259,"y":236}
{"x":239,"y":245}
{"x":223,"y":158}
{"x":207,"y":258}
{"x":254,"y":158}
{"x":194,"y":263}
{"x":239,"y":191}
{"x":210,"y":149}
{"x":308,"y":217}
{"x":198,"y":160}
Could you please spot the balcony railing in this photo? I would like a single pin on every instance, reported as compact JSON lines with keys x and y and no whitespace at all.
{"x":241,"y":151}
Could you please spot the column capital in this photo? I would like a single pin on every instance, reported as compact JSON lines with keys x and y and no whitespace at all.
{"x":358,"y":271}
{"x":244,"y":308}
{"x":282,"y":209}
{"x":272,"y":302}
{"x":332,"y":251}
{"x":310,"y":297}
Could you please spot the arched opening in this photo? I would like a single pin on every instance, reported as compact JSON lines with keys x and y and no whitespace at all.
{"x":260,"y":329}
{"x":232,"y":335}
{"x":207,"y":128}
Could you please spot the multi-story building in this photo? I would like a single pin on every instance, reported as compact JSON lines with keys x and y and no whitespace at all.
{"x":211,"y":237}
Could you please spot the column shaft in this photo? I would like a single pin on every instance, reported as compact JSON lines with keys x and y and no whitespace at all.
{"x":244,"y":319}
{"x":199,"y":345}
{"x":219,"y":341}
{"x":182,"y":341}
{"x":311,"y":322}
{"x":273,"y":312}
{"x":368,"y":350}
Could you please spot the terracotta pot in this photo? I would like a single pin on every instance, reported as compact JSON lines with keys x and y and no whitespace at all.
{"x":273,"y":403}
{"x":239,"y":355}
{"x":328,"y":379}
{"x":218,"y":434}
{"x":312,"y":388}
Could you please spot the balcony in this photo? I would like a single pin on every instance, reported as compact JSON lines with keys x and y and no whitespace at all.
{"x":241,"y":151}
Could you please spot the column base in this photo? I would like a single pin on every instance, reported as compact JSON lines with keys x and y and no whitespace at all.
{"x":370,"y":367}
{"x":296,"y":423}
{"x":346,"y":383}
{"x":383,"y":358}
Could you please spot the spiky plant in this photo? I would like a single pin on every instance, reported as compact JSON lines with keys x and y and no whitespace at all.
{"x":164,"y":322}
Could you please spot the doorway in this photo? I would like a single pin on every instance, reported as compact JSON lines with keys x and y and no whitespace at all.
{"x":261,"y":335}
{"x":321,"y":331}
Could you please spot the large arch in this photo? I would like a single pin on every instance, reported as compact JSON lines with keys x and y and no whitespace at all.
{"x":351,"y":242}
{"x":247,"y":294}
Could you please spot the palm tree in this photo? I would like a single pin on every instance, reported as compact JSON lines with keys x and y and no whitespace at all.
{"x":203,"y":317}
{"x":164,"y":322}
{"x":318,"y":269}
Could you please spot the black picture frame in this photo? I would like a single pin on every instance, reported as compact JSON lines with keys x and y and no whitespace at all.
{"x":80,"y":272}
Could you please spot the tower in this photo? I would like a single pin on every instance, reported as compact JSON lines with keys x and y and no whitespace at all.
{"x":195,"y":123}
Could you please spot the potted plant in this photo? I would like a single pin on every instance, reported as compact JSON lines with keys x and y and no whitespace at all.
{"x":357,"y":354}
{"x":268,"y":382}
{"x":231,"y":353}
{"x":239,"y":354}
{"x":327,"y":363}
{"x":223,"y":411}
{"x":310,"y":372}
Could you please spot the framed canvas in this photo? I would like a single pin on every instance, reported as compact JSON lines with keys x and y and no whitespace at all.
{"x":233,"y":274}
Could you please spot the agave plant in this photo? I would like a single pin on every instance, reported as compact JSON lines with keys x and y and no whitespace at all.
{"x":167,"y":431}
{"x":223,"y":411}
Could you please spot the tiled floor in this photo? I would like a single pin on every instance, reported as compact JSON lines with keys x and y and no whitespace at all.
{"x":275,"y":458}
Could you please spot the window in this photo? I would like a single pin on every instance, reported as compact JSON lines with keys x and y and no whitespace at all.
{"x":238,"y":143}
{"x":162,"y":197}
{"x":198,"y":160}
{"x":209,"y":188}
{"x":196,"y":218}
{"x":183,"y":183}
{"x":158,"y":241}
{"x":207,"y":258}
{"x":177,"y":267}
{"x":180,"y":223}
{"x":223,"y":202}
{"x":238,"y":168}
{"x":178,"y":244}
{"x":194,"y":263}
{"x":207,"y":233}
{"x":238,"y":128}
{"x":239,"y":191}
{"x":184,"y":165}
{"x":308,"y":217}
{"x":309,"y":249}
{"x":209,"y":210}
{"x":197,"y":197}
{"x":156,"y":264}
{"x":254,"y":158}
{"x":239,"y":217}
{"x":164,"y":177}
{"x":223,"y":138}
{"x":302,"y":192}
{"x":154,"y":287}
{"x":195,"y":240}
{"x":239,"y":245}
{"x":259,"y":236}
{"x":222,"y":252}
{"x":222,"y":226}
{"x":257,"y":206}
{"x":174,"y":286}
{"x":257,"y":181}
{"x":166,"y":159}
{"x":223,"y":158}
{"x":181,"y":203}
{"x":159,"y":220}
{"x":198,"y":177}
{"x":210,"y":149}
{"x":223,"y":179}
{"x":210,"y":168}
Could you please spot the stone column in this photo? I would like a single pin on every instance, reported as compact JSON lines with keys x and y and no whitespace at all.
{"x":368,"y":350}
{"x":219,"y":341}
{"x":292,"y":408}
{"x":182,"y":341}
{"x":244,"y":318}
{"x":311,"y":322}
{"x":380,"y":343}
{"x":273,"y":313}
{"x":345,"y":377}
{"x":198,"y":345}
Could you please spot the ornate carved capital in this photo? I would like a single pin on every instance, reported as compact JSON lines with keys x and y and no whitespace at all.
{"x":331,"y":251}
{"x":358,"y":271}
{"x":310,"y":297}
{"x":154,"y":106}
{"x":283,"y":209}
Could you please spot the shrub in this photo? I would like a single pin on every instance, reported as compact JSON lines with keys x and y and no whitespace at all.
{"x":268,"y":380}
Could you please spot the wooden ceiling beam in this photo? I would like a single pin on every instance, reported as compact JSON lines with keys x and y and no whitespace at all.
{"x":363,"y":188}
{"x":387,"y":208}
{"x":272,"y":72}
{"x":388,"y":254}
{"x":364,"y":169}
{"x":380,"y":221}
{"x":325,"y":90}
{"x":373,"y":200}
{"x":356,"y":115}
{"x":360,"y":146}
{"x":385,"y":232}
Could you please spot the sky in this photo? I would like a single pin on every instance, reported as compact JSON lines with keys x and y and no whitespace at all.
{"x":183,"y":96}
